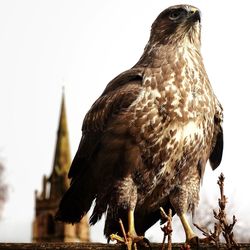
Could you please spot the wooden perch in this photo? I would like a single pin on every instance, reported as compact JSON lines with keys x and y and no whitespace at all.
{"x":99,"y":246}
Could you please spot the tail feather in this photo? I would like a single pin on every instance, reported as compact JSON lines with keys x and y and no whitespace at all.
{"x":76,"y":202}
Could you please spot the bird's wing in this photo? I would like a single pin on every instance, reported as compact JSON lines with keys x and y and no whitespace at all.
{"x":217,"y":142}
{"x":116,"y":98}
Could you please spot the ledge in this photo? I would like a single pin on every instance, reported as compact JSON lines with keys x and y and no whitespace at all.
{"x":100,"y":246}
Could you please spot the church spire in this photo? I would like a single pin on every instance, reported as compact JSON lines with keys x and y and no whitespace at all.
{"x":62,"y":156}
{"x":62,"y":159}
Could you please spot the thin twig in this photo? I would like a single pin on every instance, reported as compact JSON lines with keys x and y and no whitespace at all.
{"x":167,"y":229}
{"x":163,"y":242}
{"x":170,"y":229}
{"x":227,"y":228}
{"x":165,"y":217}
{"x":123,"y":230}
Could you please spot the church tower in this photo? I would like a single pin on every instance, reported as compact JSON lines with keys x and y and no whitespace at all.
{"x":45,"y":229}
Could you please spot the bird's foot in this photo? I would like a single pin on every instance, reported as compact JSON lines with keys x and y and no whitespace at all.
{"x":191,"y":242}
{"x":194,"y":241}
{"x":131,"y":240}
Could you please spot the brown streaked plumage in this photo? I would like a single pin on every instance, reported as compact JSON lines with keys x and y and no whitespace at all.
{"x":146,"y":140}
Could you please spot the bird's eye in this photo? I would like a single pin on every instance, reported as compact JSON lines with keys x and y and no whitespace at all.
{"x":176,"y":14}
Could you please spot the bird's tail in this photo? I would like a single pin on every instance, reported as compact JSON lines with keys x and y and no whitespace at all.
{"x":77,"y":201}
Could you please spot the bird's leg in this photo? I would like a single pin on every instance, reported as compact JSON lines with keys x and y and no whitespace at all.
{"x":131,"y":223}
{"x":132,"y":236}
{"x":190,"y":235}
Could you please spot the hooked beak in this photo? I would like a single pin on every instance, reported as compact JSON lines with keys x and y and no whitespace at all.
{"x":194,"y":14}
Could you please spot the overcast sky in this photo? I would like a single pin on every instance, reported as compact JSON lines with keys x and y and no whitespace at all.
{"x":82,"y":45}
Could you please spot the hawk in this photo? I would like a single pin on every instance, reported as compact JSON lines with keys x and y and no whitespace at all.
{"x":146,"y":140}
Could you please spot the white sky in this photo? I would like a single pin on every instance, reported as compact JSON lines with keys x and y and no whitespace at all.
{"x":83,"y":45}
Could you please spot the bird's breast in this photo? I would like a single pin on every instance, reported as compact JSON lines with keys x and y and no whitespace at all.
{"x":172,"y":113}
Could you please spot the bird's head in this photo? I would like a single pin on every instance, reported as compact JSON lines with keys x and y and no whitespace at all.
{"x":176,"y":23}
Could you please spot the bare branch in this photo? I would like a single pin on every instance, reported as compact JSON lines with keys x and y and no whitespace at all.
{"x":167,"y":228}
{"x":3,"y":189}
{"x":221,"y":226}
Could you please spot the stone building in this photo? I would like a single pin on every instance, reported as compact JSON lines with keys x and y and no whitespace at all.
{"x":45,"y":229}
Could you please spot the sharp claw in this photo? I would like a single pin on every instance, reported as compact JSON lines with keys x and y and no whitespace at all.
{"x":113,"y":237}
{"x":195,"y":241}
{"x":147,"y":242}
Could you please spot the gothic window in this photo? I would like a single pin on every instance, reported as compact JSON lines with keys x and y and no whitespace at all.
{"x":50,"y":225}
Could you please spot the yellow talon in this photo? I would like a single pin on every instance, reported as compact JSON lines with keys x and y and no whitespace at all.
{"x":116,"y":237}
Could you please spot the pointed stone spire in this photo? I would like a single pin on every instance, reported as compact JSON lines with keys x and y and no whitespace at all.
{"x":59,"y":180}
{"x":62,"y":157}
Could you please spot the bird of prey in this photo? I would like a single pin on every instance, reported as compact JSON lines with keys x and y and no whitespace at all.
{"x":146,"y":140}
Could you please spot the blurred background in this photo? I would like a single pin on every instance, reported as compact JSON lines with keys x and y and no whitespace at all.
{"x":82,"y":45}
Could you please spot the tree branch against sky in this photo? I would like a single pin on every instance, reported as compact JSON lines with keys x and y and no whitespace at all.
{"x":3,"y":189}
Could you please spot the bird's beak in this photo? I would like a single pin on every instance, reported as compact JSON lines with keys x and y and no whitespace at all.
{"x":194,"y":13}
{"x":192,"y":10}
